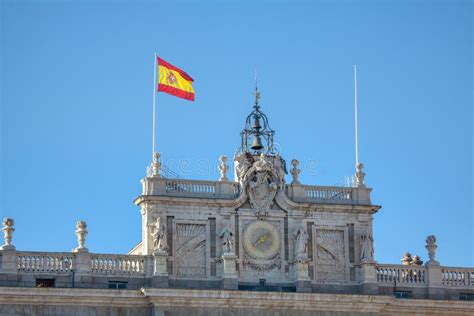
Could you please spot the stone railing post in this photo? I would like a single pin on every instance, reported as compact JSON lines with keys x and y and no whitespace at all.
{"x":434,"y":273}
{"x":82,"y":268}
{"x":8,"y":255}
{"x":296,"y":192}
{"x":82,"y":264}
{"x":225,"y":189}
{"x":361,"y":195}
{"x":9,"y":264}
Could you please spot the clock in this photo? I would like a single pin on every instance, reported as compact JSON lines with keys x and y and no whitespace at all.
{"x":261,"y":240}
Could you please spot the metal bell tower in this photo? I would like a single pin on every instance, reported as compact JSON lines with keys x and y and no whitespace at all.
{"x":257,"y":136}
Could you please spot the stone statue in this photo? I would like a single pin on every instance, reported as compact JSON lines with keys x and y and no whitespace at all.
{"x":227,"y":240}
{"x":81,"y":233}
{"x":243,"y":164}
{"x":407,"y":259}
{"x":301,"y":243}
{"x":295,"y":172}
{"x":223,"y":167}
{"x":360,"y":176}
{"x":160,"y":241}
{"x":7,"y":229}
{"x":367,"y":248}
{"x":416,"y":261}
{"x":431,"y":247}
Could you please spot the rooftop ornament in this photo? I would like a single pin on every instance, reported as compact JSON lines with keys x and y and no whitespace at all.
{"x":7,"y":229}
{"x":257,"y":136}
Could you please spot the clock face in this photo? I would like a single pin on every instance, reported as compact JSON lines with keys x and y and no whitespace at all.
{"x":261,"y":240}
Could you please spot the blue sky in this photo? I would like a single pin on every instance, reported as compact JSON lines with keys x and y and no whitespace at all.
{"x":76,"y":95}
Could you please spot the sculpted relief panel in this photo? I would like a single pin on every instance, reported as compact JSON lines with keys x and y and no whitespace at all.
{"x":330,"y":256}
{"x":191,"y":250}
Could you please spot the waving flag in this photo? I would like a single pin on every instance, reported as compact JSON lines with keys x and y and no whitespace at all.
{"x":174,"y":81}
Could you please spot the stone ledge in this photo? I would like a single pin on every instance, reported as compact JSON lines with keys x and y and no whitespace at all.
{"x":72,"y":296}
{"x":304,"y":302}
{"x":230,"y":300}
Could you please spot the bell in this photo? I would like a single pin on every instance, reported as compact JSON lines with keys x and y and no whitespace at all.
{"x":257,"y":143}
{"x":256,"y":123}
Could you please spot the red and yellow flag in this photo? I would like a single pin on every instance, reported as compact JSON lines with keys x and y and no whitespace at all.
{"x":174,"y":81}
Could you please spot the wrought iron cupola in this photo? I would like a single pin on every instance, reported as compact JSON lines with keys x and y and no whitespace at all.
{"x":257,"y":136}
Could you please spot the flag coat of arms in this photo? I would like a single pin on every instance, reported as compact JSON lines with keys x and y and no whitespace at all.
{"x":174,"y":81}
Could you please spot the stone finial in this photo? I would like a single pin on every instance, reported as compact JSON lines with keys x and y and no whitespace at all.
{"x":295,"y":172}
{"x":81,"y":233}
{"x":160,"y":238}
{"x":155,"y":165}
{"x":407,"y":259}
{"x":360,"y":176}
{"x":7,"y":229}
{"x":431,"y":247}
{"x":416,"y":261}
{"x":223,"y":167}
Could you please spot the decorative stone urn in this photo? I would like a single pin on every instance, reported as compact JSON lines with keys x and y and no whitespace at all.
{"x":7,"y":229}
{"x":431,"y":247}
{"x":81,"y":233}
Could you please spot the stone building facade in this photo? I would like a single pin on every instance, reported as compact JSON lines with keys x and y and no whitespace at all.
{"x":255,"y":244}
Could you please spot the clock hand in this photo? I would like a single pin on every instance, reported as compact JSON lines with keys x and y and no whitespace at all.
{"x":261,"y":240}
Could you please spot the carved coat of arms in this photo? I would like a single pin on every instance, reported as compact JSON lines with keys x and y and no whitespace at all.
{"x":262,"y":185}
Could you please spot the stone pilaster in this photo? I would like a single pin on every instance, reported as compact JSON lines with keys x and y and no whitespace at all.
{"x":160,"y":269}
{"x":9,"y":262}
{"x":230,"y":281}
{"x":82,"y":267}
{"x":435,"y":280}
{"x":303,"y":282}
{"x":368,"y":273}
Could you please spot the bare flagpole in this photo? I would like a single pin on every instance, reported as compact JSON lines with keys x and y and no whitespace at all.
{"x":359,"y":174}
{"x":154,"y":108}
{"x":154,"y":169}
{"x":356,"y":119}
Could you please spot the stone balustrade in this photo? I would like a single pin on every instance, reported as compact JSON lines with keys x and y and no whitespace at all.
{"x":117,"y":264}
{"x":18,"y":266}
{"x":44,"y":262}
{"x":458,"y":277}
{"x":190,"y":188}
{"x":329,"y":194}
{"x":401,"y":274}
{"x":20,"y":262}
{"x":229,"y":190}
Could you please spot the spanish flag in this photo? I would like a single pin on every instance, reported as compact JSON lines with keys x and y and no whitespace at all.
{"x":174,"y":81}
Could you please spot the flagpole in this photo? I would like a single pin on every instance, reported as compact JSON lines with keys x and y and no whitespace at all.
{"x":154,"y":107}
{"x":356,"y":125}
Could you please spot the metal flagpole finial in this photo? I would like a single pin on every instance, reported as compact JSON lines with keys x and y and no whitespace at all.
{"x":256,"y":93}
{"x":256,"y":79}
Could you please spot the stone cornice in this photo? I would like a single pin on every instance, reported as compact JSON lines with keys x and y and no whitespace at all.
{"x":283,"y":201}
{"x":304,"y":301}
{"x":214,"y":299}
{"x":72,"y":296}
